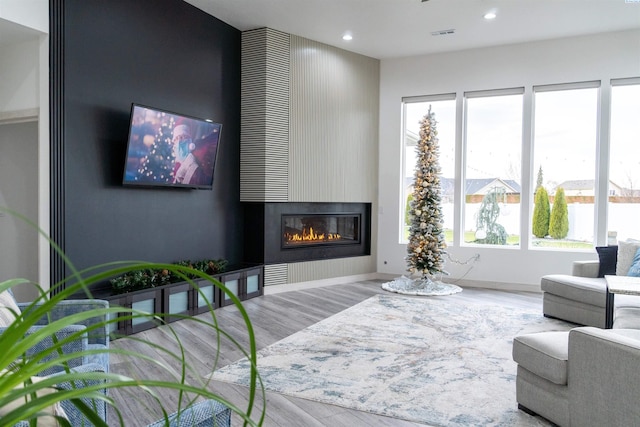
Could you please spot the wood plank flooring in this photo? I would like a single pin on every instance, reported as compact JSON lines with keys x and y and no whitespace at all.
{"x":274,"y":317}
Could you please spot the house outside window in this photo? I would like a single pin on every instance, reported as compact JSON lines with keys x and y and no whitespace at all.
{"x":493,"y":158}
{"x":583,"y":156}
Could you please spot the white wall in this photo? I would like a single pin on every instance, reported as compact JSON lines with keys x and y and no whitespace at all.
{"x":599,"y":57}
{"x":19,"y":69}
{"x":24,"y":96}
{"x":18,"y":191}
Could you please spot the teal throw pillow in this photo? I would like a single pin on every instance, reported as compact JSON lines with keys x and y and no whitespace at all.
{"x":635,"y":265}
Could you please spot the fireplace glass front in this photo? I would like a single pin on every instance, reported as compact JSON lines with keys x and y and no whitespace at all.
{"x":320,"y":230}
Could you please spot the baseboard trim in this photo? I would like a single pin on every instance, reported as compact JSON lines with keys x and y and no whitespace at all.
{"x":276,"y":289}
{"x":514,"y":287}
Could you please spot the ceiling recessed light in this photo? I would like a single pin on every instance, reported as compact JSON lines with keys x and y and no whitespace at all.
{"x":490,"y":15}
{"x":347,"y":37}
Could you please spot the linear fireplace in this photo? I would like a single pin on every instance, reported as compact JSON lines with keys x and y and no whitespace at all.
{"x":292,"y":232}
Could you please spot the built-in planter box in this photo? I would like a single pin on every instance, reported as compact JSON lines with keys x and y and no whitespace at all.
{"x":148,"y":300}
{"x":169,"y":302}
{"x":245,"y":283}
{"x":208,"y":295}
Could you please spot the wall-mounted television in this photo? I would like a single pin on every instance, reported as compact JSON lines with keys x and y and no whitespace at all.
{"x":170,"y":150}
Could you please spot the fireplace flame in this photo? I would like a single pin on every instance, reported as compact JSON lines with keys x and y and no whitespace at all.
{"x":310,"y":236}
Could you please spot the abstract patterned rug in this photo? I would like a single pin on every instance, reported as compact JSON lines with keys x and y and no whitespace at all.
{"x":434,"y":361}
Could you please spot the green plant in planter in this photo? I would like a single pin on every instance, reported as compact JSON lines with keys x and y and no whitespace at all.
{"x":211,"y":266}
{"x":208,"y":266}
{"x":141,"y":279}
{"x":150,"y":278}
{"x":17,"y":371}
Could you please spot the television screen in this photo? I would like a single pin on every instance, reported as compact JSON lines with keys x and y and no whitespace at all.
{"x":171,"y":150}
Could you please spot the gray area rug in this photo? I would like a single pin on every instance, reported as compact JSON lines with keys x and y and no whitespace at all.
{"x":441,"y":362}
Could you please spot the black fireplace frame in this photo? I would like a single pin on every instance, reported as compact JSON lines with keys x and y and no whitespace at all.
{"x":263,"y":232}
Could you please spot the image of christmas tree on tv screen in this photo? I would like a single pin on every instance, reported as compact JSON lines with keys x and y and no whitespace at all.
{"x":170,"y":149}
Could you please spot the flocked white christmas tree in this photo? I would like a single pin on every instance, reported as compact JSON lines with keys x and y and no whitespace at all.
{"x":426,"y":248}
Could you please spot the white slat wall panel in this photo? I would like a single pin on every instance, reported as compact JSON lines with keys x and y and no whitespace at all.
{"x":309,"y":133}
{"x":327,"y":269}
{"x":333,"y":150}
{"x":264,"y":121}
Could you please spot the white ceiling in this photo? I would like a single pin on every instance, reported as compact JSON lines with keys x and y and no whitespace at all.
{"x":395,"y":28}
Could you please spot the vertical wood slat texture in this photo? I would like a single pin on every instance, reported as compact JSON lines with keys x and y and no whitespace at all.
{"x":333,"y":152}
{"x":326,"y":269}
{"x":56,"y":130}
{"x":333,"y":149}
{"x":309,"y":133}
{"x":264,"y":135}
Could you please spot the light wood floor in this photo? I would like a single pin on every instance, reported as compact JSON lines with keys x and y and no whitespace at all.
{"x":274,"y":317}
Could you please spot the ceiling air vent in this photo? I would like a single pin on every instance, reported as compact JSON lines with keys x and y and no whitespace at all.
{"x":443,"y":32}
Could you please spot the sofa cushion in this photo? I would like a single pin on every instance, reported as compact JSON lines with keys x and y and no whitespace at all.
{"x":588,"y":290}
{"x":544,"y":354}
{"x":8,"y":308}
{"x":634,"y":270}
{"x":47,"y":419}
{"x":626,"y":252}
{"x":632,"y":333}
{"x":627,"y":318}
{"x":608,"y":257}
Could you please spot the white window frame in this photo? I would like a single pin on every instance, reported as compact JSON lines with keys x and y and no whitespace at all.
{"x":463,"y":163}
{"x":403,"y":196}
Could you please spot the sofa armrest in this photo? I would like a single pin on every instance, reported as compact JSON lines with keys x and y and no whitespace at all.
{"x":44,"y":346}
{"x":604,"y":379}
{"x":69,"y":307}
{"x":74,"y":415}
{"x":586,"y":268}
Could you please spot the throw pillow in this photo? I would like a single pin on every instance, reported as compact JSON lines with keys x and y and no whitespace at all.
{"x":55,"y":410}
{"x":8,"y":309}
{"x":626,"y":252}
{"x":608,"y":256}
{"x":634,"y":270}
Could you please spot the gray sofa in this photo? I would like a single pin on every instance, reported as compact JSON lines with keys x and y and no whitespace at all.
{"x":588,"y":376}
{"x":580,"y":298}
{"x":584,"y":377}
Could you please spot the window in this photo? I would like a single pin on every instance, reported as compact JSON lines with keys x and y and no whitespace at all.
{"x":493,"y":141}
{"x":444,"y":109}
{"x":624,"y":160}
{"x":561,"y":158}
{"x":564,"y":144}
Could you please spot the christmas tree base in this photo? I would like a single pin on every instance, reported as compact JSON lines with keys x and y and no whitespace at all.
{"x":422,"y":286}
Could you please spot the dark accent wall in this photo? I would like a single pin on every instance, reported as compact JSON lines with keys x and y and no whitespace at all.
{"x":161,"y":53}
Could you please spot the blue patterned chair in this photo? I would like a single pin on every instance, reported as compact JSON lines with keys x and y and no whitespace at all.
{"x":95,"y":339}
{"x":205,"y":413}
{"x":75,"y":417}
{"x":208,"y":413}
{"x":92,"y":340}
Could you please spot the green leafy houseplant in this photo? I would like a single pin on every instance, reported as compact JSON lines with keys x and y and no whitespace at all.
{"x":17,"y":371}
{"x":146,"y":278}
